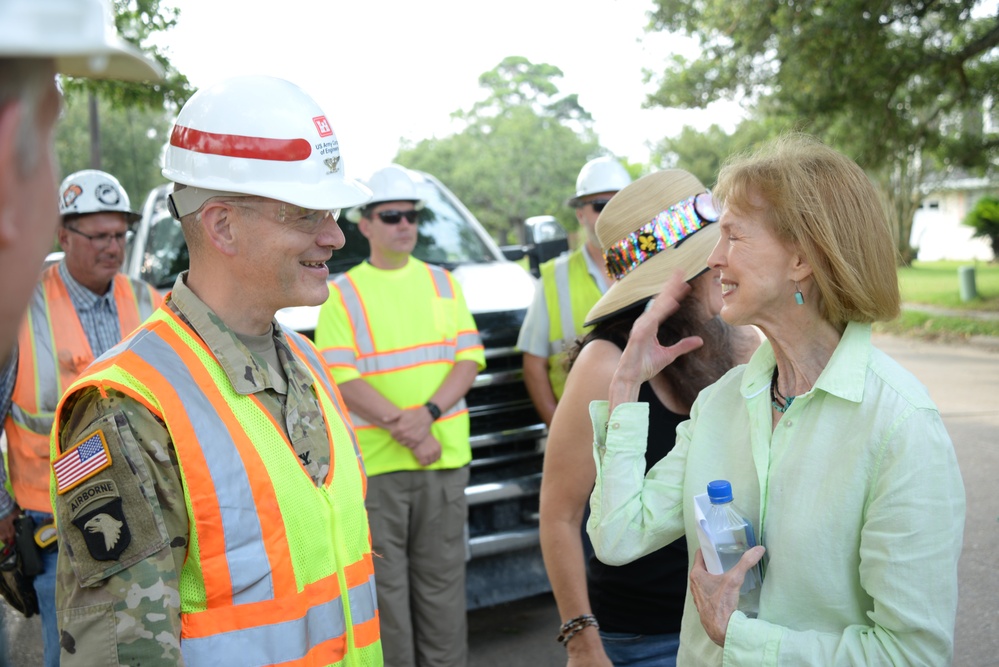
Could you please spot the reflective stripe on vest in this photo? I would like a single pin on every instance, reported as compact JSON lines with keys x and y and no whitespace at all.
{"x":52,"y":351}
{"x":370,"y":362}
{"x":263,"y":583}
{"x":570,"y":292}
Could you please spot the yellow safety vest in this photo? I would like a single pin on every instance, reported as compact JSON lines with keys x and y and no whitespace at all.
{"x":402,"y":331}
{"x":52,"y":352}
{"x":570,"y":292}
{"x":304,"y":591}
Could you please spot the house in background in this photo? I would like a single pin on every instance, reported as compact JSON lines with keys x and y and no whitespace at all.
{"x":938,"y":230}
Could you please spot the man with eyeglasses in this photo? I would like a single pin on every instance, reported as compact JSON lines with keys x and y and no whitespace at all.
{"x":81,"y":308}
{"x":404,"y":350}
{"x":570,"y":285}
{"x":208,"y":487}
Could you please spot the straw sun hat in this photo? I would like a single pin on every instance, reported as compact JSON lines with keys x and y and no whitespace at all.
{"x":648,"y":230}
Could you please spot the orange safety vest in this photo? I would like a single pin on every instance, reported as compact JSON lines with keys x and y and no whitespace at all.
{"x":303,"y":593}
{"x":52,"y":352}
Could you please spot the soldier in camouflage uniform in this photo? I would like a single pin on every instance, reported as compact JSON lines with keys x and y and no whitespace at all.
{"x":133,"y":541}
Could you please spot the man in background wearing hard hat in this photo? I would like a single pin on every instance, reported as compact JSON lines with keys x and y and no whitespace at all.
{"x":404,"y":350}
{"x":209,"y":493}
{"x":81,"y":308}
{"x":38,"y":39}
{"x":569,"y":286}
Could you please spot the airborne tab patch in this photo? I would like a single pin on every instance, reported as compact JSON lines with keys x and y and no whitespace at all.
{"x":81,"y":462}
{"x":97,"y":512}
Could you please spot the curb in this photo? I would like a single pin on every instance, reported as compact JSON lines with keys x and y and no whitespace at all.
{"x":951,"y":312}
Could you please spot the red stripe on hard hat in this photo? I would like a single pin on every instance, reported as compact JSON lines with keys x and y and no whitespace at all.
{"x":235,"y":145}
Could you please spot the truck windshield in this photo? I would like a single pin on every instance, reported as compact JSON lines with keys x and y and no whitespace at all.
{"x":445,"y":235}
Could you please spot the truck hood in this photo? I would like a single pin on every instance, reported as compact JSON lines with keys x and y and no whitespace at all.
{"x":488,"y":288}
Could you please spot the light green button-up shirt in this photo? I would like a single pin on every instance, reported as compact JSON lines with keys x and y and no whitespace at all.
{"x":856,"y":494}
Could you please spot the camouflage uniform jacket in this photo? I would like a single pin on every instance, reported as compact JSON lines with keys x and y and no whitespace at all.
{"x":127,"y":610}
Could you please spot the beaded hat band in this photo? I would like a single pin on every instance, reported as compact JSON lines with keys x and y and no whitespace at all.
{"x":668,"y":229}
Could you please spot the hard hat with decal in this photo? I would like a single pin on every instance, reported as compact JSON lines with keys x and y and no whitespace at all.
{"x":78,"y":34}
{"x":259,"y":135}
{"x":391,"y":183}
{"x":602,"y":174}
{"x":93,"y":191}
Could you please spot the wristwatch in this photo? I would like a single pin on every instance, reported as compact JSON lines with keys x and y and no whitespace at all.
{"x":434,"y":411}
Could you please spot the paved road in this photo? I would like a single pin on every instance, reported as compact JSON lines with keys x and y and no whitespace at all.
{"x":964,"y":382}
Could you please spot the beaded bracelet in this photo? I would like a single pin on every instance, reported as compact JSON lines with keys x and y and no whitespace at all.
{"x":575,"y":625}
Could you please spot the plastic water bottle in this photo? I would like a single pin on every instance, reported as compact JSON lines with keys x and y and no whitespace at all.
{"x":733,"y":535}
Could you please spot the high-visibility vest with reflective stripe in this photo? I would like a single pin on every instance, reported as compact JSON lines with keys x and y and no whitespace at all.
{"x":278,"y":570}
{"x":428,"y":337}
{"x":52,"y":352}
{"x":570,"y":292}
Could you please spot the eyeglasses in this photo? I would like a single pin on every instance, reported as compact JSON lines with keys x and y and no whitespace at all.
{"x":598,"y":204}
{"x":667,"y":230}
{"x":100,"y":241}
{"x":393,"y":217}
{"x":306,"y":219}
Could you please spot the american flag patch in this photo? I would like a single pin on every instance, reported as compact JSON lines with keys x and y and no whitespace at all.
{"x":81,"y":462}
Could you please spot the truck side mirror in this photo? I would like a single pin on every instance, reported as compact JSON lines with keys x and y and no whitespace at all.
{"x":545,"y":239}
{"x":514,"y":252}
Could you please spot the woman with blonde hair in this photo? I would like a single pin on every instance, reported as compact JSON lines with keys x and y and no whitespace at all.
{"x":835,"y":452}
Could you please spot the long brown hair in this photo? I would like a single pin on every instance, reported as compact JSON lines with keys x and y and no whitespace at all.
{"x":689,"y":373}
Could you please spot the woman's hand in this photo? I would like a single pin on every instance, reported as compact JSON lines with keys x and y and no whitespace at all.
{"x":586,"y":650}
{"x":644,"y":357}
{"x":716,"y":596}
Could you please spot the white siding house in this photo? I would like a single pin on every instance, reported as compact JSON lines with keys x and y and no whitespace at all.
{"x":938,"y":231}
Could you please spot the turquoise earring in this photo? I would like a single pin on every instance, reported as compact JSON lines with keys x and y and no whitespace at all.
{"x":799,"y":298}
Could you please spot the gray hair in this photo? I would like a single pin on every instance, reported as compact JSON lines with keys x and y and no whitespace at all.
{"x":26,"y":80}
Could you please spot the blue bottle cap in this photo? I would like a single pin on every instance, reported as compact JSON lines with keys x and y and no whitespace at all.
{"x":719,"y":491}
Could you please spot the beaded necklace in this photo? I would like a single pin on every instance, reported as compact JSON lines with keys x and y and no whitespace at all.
{"x":785,"y":401}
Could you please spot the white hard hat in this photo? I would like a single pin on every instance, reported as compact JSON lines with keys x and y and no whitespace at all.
{"x":260,"y":135}
{"x":93,"y":191}
{"x":79,"y":34}
{"x":602,"y":174}
{"x":391,"y":183}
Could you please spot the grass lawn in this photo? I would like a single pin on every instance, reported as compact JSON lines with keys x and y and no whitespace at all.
{"x":937,"y":284}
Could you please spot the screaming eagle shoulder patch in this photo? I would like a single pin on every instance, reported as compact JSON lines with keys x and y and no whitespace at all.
{"x":96,"y":511}
{"x":81,"y":462}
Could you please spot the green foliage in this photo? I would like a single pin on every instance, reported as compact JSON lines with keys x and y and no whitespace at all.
{"x":131,"y":141}
{"x":899,"y":85}
{"x":984,"y":218}
{"x":131,"y":119}
{"x":137,"y":21}
{"x":519,"y":151}
{"x":704,"y":153}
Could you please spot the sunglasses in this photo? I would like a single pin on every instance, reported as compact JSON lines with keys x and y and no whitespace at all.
{"x":598,"y":204}
{"x":393,"y":217}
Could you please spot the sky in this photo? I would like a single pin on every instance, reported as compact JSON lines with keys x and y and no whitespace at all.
{"x":385,"y":70}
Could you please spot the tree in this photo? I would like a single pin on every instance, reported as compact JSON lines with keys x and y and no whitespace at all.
{"x":518,"y":152}
{"x":703,"y":153}
{"x":136,"y":21}
{"x":131,"y":143}
{"x":984,"y":217}
{"x":900,"y":86}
